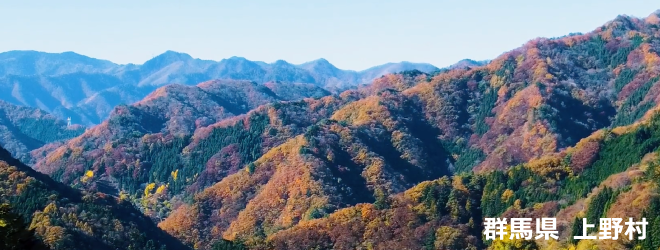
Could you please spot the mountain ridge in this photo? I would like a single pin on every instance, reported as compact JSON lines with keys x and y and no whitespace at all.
{"x":84,"y":88}
{"x":168,"y":57}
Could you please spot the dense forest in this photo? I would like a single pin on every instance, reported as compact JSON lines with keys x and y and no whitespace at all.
{"x":37,"y":212}
{"x":566,"y":127}
{"x":24,"y":129}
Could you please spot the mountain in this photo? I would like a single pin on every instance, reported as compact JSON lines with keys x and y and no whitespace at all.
{"x":367,"y":150}
{"x":465,"y":63}
{"x":327,"y":74}
{"x":564,"y":127}
{"x":33,"y":63}
{"x":87,"y":89}
{"x":619,"y":181}
{"x":64,"y":218}
{"x":24,"y":129}
{"x":167,"y":119}
{"x":377,"y":71}
{"x":85,"y":97}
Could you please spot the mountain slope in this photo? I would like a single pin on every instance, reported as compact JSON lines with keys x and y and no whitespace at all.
{"x":176,"y":132}
{"x":443,"y":214}
{"x":65,"y":218}
{"x":85,"y":97}
{"x":331,"y":166}
{"x":24,"y":129}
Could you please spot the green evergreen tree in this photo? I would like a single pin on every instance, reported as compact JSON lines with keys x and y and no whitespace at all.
{"x":576,"y":230}
{"x":14,"y":234}
{"x":228,"y":245}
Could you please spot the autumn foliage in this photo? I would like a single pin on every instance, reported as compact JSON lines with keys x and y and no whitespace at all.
{"x":558,"y":127}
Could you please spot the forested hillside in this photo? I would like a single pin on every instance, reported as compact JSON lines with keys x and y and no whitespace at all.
{"x":620,"y":182}
{"x":39,"y":213}
{"x":564,"y":127}
{"x":24,"y":129}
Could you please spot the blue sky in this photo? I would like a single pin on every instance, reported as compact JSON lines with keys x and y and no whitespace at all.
{"x":351,"y":34}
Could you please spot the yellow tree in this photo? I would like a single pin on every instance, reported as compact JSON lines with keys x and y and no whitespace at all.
{"x":513,"y":244}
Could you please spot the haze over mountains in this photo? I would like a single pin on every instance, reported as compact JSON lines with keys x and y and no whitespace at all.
{"x":86,"y":89}
{"x":565,"y":128}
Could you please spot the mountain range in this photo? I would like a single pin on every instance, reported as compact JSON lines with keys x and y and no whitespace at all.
{"x":86,"y":89}
{"x":566,"y":128}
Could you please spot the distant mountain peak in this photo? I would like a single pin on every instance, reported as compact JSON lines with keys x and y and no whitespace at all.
{"x":280,"y":62}
{"x":405,"y":63}
{"x":402,"y":66}
{"x":238,"y":58}
{"x":468,"y":60}
{"x":318,"y":63}
{"x":173,"y":54}
{"x":166,"y":58}
{"x":467,"y":63}
{"x":321,"y":60}
{"x":70,"y":53}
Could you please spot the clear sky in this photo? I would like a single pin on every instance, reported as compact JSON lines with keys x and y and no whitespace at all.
{"x":351,"y":34}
